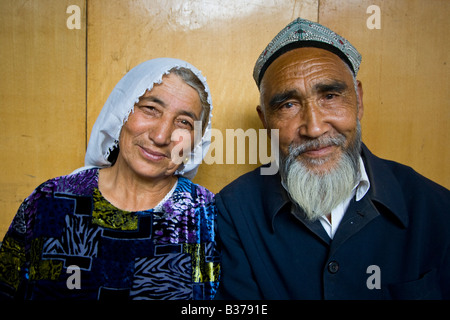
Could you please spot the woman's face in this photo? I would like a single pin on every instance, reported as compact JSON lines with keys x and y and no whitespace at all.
{"x":150,"y":143}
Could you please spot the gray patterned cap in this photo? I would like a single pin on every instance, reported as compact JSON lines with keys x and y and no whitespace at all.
{"x":304,"y":33}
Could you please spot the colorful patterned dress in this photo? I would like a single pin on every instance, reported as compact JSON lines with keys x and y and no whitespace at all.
{"x":68,"y":242}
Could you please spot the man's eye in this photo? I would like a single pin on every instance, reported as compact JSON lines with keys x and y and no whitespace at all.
{"x":330,"y":96}
{"x":287,"y":105}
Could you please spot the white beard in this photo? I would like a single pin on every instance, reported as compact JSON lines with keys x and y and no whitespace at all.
{"x":319,"y":193}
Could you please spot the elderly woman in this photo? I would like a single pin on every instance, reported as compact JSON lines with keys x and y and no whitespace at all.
{"x":130,"y":224}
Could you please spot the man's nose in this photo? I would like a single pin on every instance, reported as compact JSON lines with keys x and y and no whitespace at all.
{"x":313,"y":121}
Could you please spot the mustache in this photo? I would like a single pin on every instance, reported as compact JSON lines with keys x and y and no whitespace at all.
{"x":321,"y":142}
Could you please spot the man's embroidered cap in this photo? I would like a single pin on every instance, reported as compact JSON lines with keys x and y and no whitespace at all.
{"x":304,"y":33}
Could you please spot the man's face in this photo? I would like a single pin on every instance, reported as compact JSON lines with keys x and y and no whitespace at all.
{"x":308,"y":94}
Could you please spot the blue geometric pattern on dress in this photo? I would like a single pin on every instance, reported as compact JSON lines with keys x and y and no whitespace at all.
{"x":170,"y":254}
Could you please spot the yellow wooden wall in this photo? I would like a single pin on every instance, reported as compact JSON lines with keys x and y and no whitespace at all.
{"x":42,"y":97}
{"x":54,"y":80}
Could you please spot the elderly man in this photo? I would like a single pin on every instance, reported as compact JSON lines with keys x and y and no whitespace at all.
{"x":336,"y":222}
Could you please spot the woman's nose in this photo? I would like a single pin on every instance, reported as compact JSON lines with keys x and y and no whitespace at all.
{"x":162,"y":133}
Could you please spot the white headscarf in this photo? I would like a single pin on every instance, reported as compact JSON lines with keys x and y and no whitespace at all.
{"x":106,"y":130}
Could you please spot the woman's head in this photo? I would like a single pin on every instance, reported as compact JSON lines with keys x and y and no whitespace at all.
{"x":166,"y":96}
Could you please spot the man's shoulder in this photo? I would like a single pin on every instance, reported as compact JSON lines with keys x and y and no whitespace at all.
{"x":405,"y":175}
{"x":410,"y":176}
{"x":392,"y":179}
{"x":415,"y":186}
{"x":250,"y":182}
{"x":251,"y":195}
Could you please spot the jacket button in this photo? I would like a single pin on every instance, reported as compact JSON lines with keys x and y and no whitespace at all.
{"x":333,"y":267}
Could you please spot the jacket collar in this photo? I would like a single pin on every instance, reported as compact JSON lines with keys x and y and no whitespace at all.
{"x":385,"y":191}
{"x":274,"y":197}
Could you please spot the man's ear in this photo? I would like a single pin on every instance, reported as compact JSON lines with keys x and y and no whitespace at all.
{"x":261,"y":116}
{"x":360,"y":99}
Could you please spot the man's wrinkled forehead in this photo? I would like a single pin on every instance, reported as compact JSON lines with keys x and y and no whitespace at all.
{"x":317,"y":69}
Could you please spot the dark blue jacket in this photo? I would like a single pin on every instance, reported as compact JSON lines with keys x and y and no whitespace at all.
{"x":392,"y":244}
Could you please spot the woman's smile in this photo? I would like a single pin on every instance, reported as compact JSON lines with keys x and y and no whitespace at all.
{"x":152,"y":155}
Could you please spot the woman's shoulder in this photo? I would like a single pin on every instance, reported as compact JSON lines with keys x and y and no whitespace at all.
{"x":79,"y":183}
{"x":198,"y":192}
{"x":73,"y":184}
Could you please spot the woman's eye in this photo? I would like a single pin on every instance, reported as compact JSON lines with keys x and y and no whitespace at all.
{"x":146,"y":108}
{"x":149,"y":108}
{"x":185,"y":124}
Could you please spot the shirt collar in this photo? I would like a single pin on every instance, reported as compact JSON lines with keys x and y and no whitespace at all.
{"x":363,"y":184}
